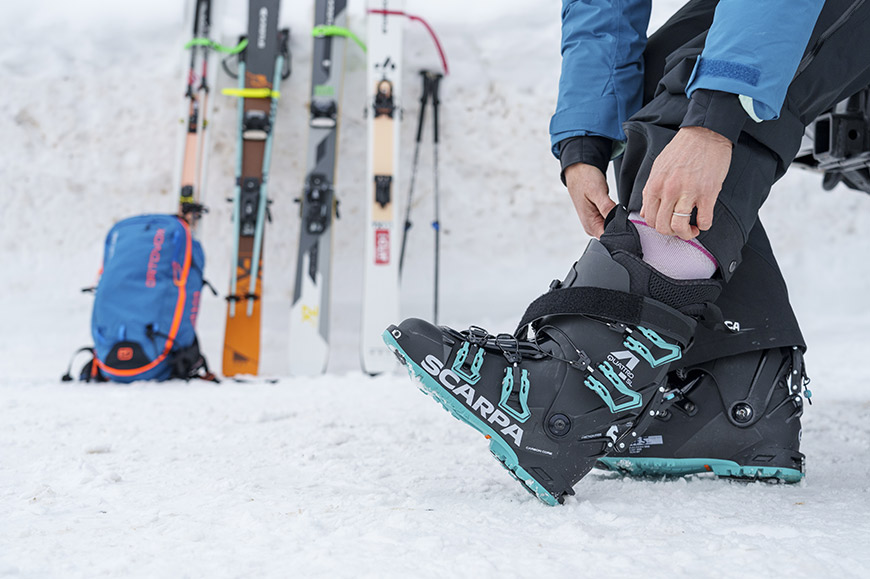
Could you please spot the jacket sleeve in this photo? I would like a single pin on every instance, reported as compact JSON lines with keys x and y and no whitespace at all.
{"x":601,"y":83}
{"x":753,"y":50}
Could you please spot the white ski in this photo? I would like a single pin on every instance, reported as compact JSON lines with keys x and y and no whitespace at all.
{"x":380,"y":306}
{"x":310,"y":312}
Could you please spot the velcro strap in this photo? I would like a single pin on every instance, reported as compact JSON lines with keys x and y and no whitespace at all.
{"x":611,"y":305}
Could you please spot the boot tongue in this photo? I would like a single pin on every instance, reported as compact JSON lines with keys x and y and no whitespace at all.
{"x":596,"y":268}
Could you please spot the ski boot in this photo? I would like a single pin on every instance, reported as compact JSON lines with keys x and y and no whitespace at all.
{"x":737,"y":417}
{"x":583,"y":374}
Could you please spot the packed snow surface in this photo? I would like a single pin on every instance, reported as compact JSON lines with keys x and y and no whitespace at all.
{"x":345,"y":475}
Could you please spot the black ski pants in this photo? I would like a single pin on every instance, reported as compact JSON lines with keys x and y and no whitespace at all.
{"x":754,"y":301}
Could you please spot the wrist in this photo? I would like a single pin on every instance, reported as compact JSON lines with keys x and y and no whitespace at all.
{"x":585,"y":150}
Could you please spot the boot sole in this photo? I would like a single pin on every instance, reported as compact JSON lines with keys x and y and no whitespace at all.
{"x":499,"y":448}
{"x":652,"y":467}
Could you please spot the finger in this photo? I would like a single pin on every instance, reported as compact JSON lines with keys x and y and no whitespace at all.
{"x":681,"y":226}
{"x":596,"y":229}
{"x":705,"y":214}
{"x":593,"y":226}
{"x":597,"y":205}
{"x":591,"y":219}
{"x":649,"y":210}
{"x":664,"y":216}
{"x":605,"y":205}
{"x":651,"y":196}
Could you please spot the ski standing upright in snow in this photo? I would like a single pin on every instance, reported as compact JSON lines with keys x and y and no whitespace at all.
{"x":309,"y":314}
{"x":381,"y":268}
{"x":260,"y":71}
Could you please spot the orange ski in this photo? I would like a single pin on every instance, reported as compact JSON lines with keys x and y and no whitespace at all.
{"x":260,"y":70}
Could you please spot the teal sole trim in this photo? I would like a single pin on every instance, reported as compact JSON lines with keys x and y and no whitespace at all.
{"x":642,"y":467}
{"x":499,"y":448}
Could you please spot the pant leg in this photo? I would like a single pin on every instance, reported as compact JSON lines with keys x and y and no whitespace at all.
{"x":836,"y":69}
{"x":755,"y":307}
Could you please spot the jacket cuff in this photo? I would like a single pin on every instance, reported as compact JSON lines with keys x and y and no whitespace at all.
{"x":589,"y":149}
{"x":716,"y":110}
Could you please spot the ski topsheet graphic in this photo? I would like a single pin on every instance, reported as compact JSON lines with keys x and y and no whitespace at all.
{"x":381,"y":229}
{"x":260,"y":69}
{"x":309,"y":314}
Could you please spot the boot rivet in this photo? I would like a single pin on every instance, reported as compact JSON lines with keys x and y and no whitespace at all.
{"x":559,"y":425}
{"x":621,"y":445}
{"x":742,"y":412}
{"x":609,"y":445}
{"x":634,"y":434}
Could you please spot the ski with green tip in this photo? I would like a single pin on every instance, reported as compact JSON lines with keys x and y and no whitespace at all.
{"x":310,"y":310}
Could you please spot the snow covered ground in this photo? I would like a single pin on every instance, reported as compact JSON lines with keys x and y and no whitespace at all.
{"x":346,"y":475}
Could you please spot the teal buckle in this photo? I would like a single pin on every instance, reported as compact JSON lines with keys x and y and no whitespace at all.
{"x":469,"y":373}
{"x":672,"y":351}
{"x":507,"y":387}
{"x":635,"y":400}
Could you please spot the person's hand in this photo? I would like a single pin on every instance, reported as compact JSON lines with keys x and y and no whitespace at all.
{"x":589,"y":193}
{"x":688,"y":173}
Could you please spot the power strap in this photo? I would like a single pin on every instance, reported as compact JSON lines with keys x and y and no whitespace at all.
{"x":611,"y":305}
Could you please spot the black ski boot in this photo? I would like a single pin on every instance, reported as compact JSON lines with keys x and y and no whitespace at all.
{"x":738,"y":417}
{"x":583,"y":374}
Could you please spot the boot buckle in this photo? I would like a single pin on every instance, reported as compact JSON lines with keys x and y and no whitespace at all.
{"x":514,"y":375}
{"x":515,"y":378}
{"x":648,"y":341}
{"x":604,"y":373}
{"x":468,"y":361}
{"x":469,"y":358}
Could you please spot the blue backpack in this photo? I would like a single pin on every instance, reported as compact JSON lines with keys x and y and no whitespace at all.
{"x":146,"y":303}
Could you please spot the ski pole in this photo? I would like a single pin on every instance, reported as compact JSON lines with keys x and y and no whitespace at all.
{"x":194,"y":116}
{"x":197,"y":209}
{"x":424,"y":98}
{"x":434,"y":83}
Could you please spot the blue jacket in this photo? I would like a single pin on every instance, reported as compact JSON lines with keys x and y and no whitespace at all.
{"x":753,"y":49}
